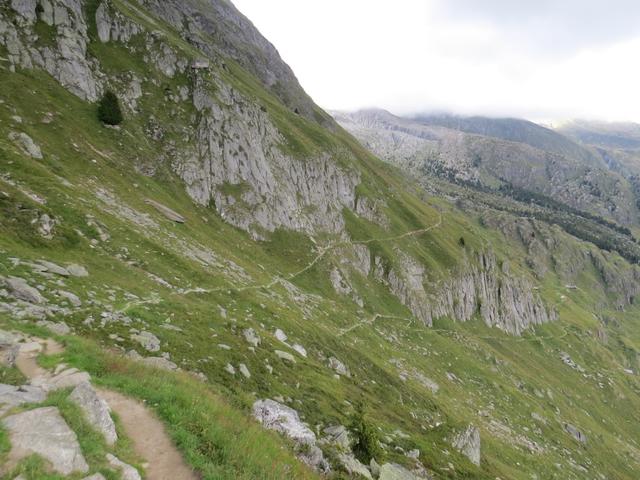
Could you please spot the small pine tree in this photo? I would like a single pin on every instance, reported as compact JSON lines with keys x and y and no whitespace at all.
{"x":109,"y":109}
{"x":366,"y":444}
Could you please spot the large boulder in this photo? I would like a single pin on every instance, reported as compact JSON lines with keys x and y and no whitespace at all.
{"x":96,"y":411}
{"x":44,"y":432}
{"x":148,"y":340}
{"x":283,"y":419}
{"x":126,"y":470}
{"x":353,"y":466}
{"x":468,"y":443}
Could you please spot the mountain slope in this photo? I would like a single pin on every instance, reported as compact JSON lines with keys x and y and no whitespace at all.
{"x":287,"y":271}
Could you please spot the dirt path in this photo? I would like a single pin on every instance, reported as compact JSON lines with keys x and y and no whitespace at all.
{"x":150,"y":440}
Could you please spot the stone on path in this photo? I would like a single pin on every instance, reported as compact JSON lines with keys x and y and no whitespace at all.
{"x":44,"y":432}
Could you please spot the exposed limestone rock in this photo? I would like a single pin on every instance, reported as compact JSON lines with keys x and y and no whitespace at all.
{"x":66,"y":378}
{"x":44,"y":432}
{"x":339,"y":436}
{"x":96,"y":411}
{"x":53,"y":268}
{"x":468,"y":442}
{"x":59,"y":328}
{"x":46,"y":226}
{"x":166,"y":211}
{"x":574,"y":432}
{"x":353,"y":466}
{"x":126,"y":470}
{"x":237,"y":163}
{"x":159,"y":362}
{"x":285,"y":356}
{"x":244,"y":370}
{"x":251,"y":337}
{"x":77,"y":270}
{"x":276,"y":416}
{"x":501,"y":299}
{"x":12,"y":396}
{"x":148,"y":340}
{"x":339,"y":367}
{"x":392,"y":471}
{"x":26,"y":144}
{"x":71,"y":297}
{"x":21,"y":290}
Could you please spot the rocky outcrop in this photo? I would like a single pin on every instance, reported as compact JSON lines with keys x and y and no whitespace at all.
{"x":63,"y":55}
{"x":236,"y":162}
{"x":500,"y":298}
{"x":276,"y":416}
{"x":468,"y":442}
{"x":44,"y":432}
{"x":96,"y":411}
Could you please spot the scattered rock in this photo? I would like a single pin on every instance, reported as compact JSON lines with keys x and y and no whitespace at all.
{"x":468,"y":443}
{"x":53,"y":268}
{"x":96,"y":410}
{"x":73,"y":298}
{"x":337,"y":435}
{"x":230,"y":369}
{"x":26,"y":144}
{"x":148,"y":341}
{"x":77,"y":270}
{"x":67,"y":378}
{"x":251,"y":337}
{"x":128,"y":472}
{"x":300,"y":349}
{"x":244,"y":370}
{"x":280,"y":335}
{"x":21,"y":290}
{"x":166,"y":211}
{"x":95,"y":476}
{"x":574,"y":432}
{"x":353,"y":466}
{"x":46,"y":226}
{"x":44,"y":432}
{"x":393,"y":471}
{"x":59,"y":328}
{"x":159,"y":362}
{"x":339,"y":367}
{"x":285,"y":356}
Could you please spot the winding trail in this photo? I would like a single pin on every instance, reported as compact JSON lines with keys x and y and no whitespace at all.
{"x":150,"y":440}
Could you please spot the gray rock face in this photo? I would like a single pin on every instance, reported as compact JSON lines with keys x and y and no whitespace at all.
{"x":339,"y":436}
{"x":12,"y":396}
{"x":96,"y":410}
{"x":44,"y":432}
{"x":21,"y":290}
{"x":276,"y":416}
{"x":159,"y":362}
{"x":285,"y":356}
{"x":26,"y":144}
{"x":126,"y":470}
{"x":66,"y":378}
{"x":501,"y":299}
{"x":339,"y":367}
{"x":237,"y":162}
{"x":468,"y":443}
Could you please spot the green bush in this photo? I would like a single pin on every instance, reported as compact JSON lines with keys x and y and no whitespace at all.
{"x":366,"y":444}
{"x":109,"y":109}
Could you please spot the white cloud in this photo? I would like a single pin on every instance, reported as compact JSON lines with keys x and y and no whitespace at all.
{"x":539,"y":59}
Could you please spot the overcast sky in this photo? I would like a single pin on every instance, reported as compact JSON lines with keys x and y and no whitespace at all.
{"x":546,"y":60}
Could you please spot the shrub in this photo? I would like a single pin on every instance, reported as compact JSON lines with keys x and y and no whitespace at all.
{"x":109,"y":109}
{"x":366,"y":444}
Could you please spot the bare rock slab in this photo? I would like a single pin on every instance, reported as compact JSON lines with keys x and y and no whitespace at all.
{"x":96,"y":410}
{"x":44,"y":432}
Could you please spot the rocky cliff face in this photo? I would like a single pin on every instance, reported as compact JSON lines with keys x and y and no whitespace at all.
{"x":501,"y":299}
{"x":229,"y":153}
